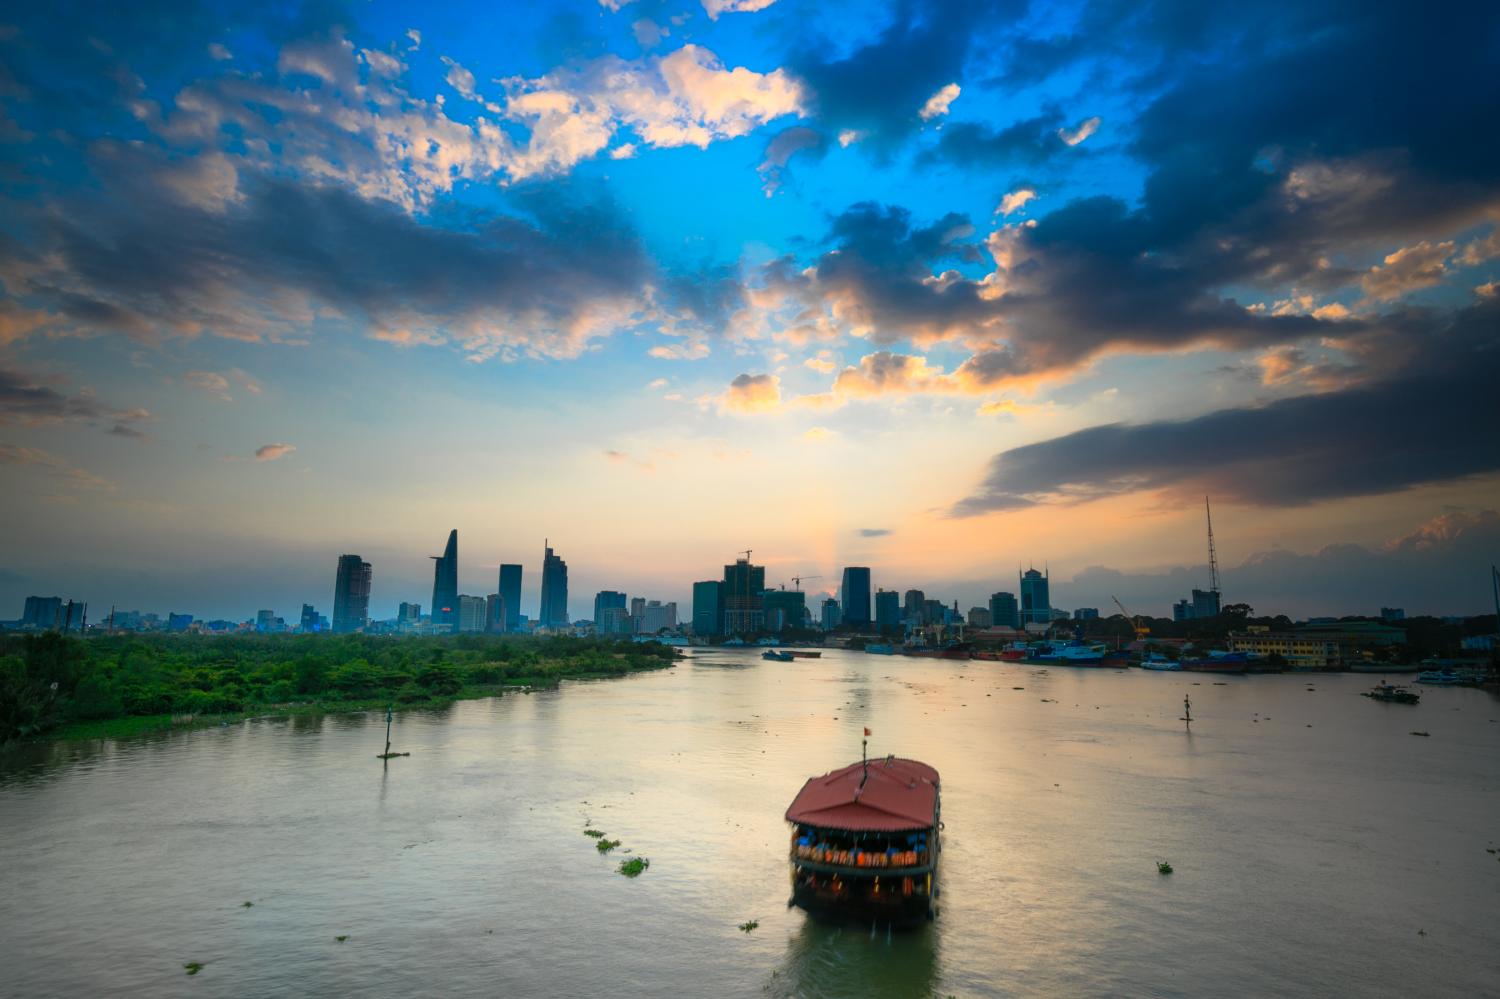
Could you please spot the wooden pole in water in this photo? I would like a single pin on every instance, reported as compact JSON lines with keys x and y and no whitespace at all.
{"x":388,"y":730}
{"x":1187,"y":709}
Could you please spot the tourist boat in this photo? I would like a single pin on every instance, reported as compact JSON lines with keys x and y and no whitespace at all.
{"x":865,"y":842}
{"x":1157,"y":661}
{"x":881,"y":649}
{"x":1439,"y":677}
{"x":777,"y":656}
{"x":1392,"y":693}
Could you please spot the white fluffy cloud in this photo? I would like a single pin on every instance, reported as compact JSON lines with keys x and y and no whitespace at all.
{"x":716,"y":7}
{"x":937,"y":105}
{"x":1015,"y":200}
{"x":1084,"y":129}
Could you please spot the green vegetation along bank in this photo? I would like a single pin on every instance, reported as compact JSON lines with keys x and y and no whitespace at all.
{"x":58,"y":686}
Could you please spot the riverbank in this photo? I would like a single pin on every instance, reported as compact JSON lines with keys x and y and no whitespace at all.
{"x":55,"y":687}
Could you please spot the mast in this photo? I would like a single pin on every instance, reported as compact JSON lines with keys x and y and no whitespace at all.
{"x":1213,"y":557}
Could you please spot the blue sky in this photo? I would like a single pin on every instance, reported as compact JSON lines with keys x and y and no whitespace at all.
{"x":1011,"y":282}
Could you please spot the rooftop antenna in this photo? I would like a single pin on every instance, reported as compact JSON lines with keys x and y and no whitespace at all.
{"x":1213,"y":557}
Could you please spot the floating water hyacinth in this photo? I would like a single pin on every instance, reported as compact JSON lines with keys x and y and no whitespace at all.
{"x":1162,"y":867}
{"x":633,"y":867}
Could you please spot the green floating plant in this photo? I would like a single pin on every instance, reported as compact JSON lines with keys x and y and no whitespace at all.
{"x":193,"y":967}
{"x":633,"y":867}
{"x":1162,"y":867}
{"x":747,"y":927}
{"x":606,"y":845}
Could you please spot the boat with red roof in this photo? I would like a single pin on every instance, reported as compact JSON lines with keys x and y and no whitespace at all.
{"x":865,"y":841}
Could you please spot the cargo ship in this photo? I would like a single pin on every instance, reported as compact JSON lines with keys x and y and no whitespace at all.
{"x":865,"y":842}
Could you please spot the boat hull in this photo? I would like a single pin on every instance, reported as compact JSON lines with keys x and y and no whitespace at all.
{"x":856,"y":903}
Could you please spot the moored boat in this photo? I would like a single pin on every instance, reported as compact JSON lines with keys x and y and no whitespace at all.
{"x":1160,"y":663}
{"x":1222,"y":662}
{"x":865,"y":841}
{"x":803,"y":654}
{"x":1073,"y":654}
{"x":881,"y":649}
{"x":1439,"y":678}
{"x":777,"y":656}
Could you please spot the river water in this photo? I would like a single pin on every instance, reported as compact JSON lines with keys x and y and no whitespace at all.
{"x":1319,"y":848}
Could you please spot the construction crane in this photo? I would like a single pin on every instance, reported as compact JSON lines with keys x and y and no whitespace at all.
{"x":1141,"y":631}
{"x":797,"y":580}
{"x":747,"y":554}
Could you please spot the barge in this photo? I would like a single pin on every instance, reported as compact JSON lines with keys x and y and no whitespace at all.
{"x":866,"y":840}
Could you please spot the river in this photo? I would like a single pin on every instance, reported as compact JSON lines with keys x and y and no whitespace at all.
{"x":1320,"y":849}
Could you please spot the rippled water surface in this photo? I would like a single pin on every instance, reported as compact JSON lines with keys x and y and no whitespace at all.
{"x":1320,"y":848}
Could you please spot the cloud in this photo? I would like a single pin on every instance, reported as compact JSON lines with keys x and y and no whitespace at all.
{"x":875,"y":532}
{"x":271,"y":452}
{"x":782,"y":147}
{"x":219,"y":52}
{"x":1409,"y":269}
{"x":1029,"y":141}
{"x":1015,"y":200}
{"x":29,"y":401}
{"x":1364,"y":440}
{"x":752,"y":394}
{"x":1084,"y":129}
{"x":823,"y":362}
{"x":689,"y":350}
{"x":819,"y":434}
{"x":937,"y":105}
{"x":209,"y":381}
{"x":716,"y":7}
{"x":459,"y":78}
{"x":54,"y":467}
{"x":545,"y":284}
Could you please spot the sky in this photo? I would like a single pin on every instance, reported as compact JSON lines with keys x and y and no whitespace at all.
{"x":941,"y":288}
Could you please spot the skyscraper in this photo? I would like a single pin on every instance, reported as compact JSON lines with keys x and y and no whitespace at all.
{"x":445,"y":583}
{"x":854,"y":595}
{"x":1003,"y":611}
{"x":831,"y":614}
{"x":605,"y":599}
{"x":888,"y":611}
{"x":744,"y":609}
{"x":494,"y":614}
{"x":554,"y":611}
{"x":351,"y":594}
{"x":708,"y":607}
{"x":42,"y":612}
{"x":912,"y":608}
{"x":784,"y":609}
{"x":1036,"y":603}
{"x":470,"y":613}
{"x":510,"y":595}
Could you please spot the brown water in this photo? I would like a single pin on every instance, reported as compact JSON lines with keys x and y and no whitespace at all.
{"x":1313,"y":838}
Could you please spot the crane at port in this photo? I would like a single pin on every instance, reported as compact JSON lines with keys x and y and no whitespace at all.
{"x":1141,"y":631}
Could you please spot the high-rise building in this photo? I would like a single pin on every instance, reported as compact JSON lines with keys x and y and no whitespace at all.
{"x":309,"y":622}
{"x":471,"y":613}
{"x":510,"y":595}
{"x":655,"y":617}
{"x":409,"y":614}
{"x":494,"y":614}
{"x":1205,"y":603}
{"x":744,"y":606}
{"x":1086,"y":614}
{"x":784,"y":609}
{"x":554,"y":612}
{"x":178,"y":622}
{"x":613,"y":621}
{"x":913,"y":606}
{"x":933,"y":612}
{"x":1036,"y":602}
{"x":888,"y":610}
{"x":445,"y":583}
{"x":1392,"y":614}
{"x":604,"y":600}
{"x":1003,"y":611}
{"x":831,"y":615}
{"x":42,"y":612}
{"x":979,"y":617}
{"x":1182,"y":611}
{"x":266,"y":621}
{"x":708,"y":607}
{"x":637,"y":612}
{"x":351,"y":593}
{"x":854,"y":595}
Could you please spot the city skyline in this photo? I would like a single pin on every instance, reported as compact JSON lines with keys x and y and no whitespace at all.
{"x":931,"y":287}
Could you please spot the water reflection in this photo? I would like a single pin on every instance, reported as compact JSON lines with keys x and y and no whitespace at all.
{"x":838,"y":959}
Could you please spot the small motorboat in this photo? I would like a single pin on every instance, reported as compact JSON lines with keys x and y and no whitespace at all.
{"x":1160,"y":662}
{"x":777,"y":656}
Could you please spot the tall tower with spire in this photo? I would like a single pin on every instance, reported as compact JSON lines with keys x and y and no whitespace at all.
{"x":445,"y":583}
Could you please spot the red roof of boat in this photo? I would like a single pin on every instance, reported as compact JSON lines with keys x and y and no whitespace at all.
{"x":896,"y":794}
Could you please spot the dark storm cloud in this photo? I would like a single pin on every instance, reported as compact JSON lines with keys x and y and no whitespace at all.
{"x":1029,"y":142}
{"x":262,"y":257}
{"x":879,"y":88}
{"x":1432,"y":423}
